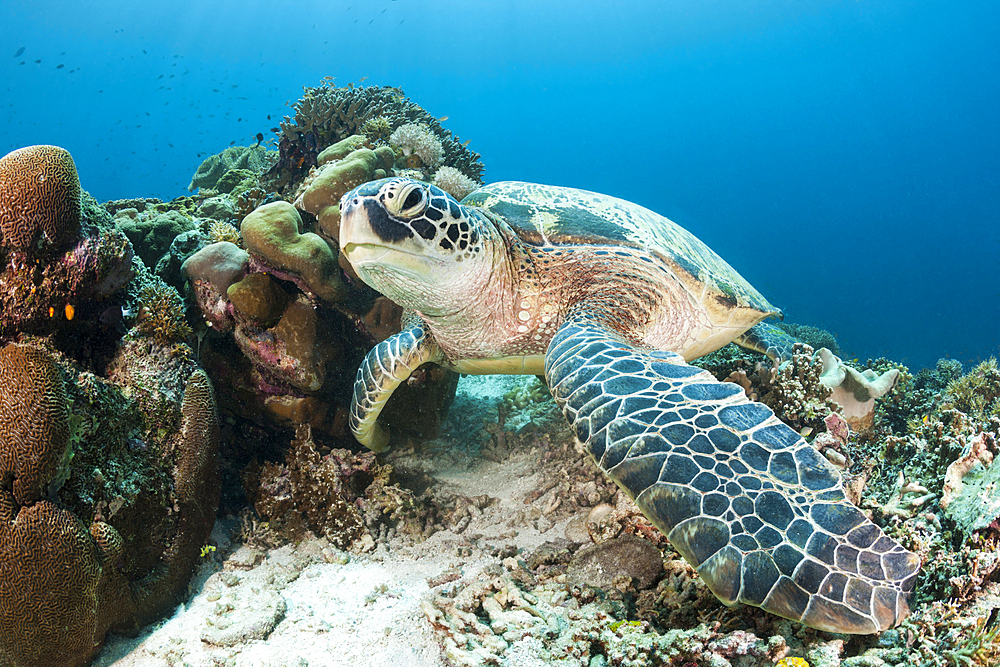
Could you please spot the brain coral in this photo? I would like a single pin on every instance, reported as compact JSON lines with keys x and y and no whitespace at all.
{"x":34,"y":428}
{"x":39,"y":195}
{"x":50,"y":571}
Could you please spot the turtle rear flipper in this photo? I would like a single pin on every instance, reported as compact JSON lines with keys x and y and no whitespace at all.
{"x":750,"y":504}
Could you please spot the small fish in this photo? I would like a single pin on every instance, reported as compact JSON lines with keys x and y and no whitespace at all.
{"x":442,"y":119}
{"x":52,"y":311}
{"x":38,"y":62}
{"x":19,"y":52}
{"x":924,"y":420}
{"x":232,"y":143}
{"x":60,"y":66}
{"x":70,"y":311}
{"x":275,"y":129}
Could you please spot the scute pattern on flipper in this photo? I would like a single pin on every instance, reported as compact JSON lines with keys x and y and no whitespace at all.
{"x":386,"y":365}
{"x":788,"y":541}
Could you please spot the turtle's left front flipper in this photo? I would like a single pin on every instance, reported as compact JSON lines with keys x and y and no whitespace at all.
{"x":750,"y":504}
{"x":387,"y":365}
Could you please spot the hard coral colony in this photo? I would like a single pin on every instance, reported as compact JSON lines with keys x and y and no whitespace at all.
{"x":111,"y":450}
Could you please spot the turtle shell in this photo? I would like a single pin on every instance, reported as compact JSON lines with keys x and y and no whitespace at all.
{"x":554,"y":215}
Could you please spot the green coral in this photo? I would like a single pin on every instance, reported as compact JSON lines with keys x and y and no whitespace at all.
{"x":976,"y":393}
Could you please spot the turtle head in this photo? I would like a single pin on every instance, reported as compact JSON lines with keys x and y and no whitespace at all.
{"x":414,"y":243}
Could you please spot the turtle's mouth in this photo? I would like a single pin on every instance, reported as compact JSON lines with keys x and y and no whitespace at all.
{"x":363,"y":256}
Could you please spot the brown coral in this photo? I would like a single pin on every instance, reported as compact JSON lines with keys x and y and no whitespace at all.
{"x":273,"y":233}
{"x":50,"y":570}
{"x":34,"y":438}
{"x":39,"y":195}
{"x":314,"y":492}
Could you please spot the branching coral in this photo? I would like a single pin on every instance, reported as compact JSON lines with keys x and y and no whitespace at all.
{"x":162,"y":315}
{"x":327,"y":114}
{"x":418,"y":140}
{"x":454,"y":182}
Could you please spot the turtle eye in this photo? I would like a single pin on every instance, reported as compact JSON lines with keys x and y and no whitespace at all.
{"x":407,"y":202}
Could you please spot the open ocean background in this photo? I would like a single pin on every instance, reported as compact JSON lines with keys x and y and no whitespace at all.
{"x":843,"y":156}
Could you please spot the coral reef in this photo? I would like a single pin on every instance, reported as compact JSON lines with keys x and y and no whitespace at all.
{"x":39,"y":198}
{"x":327,"y":114}
{"x":83,"y":453}
{"x":108,"y":441}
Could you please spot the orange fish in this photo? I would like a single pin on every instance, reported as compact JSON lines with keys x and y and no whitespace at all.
{"x":70,"y":311}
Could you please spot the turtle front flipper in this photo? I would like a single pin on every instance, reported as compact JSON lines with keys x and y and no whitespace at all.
{"x":768,"y":339}
{"x":387,"y":364}
{"x":751,"y":505}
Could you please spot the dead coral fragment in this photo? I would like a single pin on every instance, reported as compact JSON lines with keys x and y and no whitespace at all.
{"x":313,"y":492}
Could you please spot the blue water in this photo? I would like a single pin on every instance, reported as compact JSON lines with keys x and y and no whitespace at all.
{"x":843,"y":156}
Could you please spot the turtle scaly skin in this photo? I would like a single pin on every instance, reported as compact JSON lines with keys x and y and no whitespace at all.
{"x":609,"y":300}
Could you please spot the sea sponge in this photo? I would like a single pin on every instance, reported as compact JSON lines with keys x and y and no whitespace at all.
{"x":417,"y":139}
{"x":454,"y":182}
{"x":34,"y":423}
{"x":273,"y":234}
{"x":39,"y":196}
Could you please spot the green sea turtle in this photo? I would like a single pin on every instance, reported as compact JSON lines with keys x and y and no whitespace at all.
{"x":609,"y":300}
